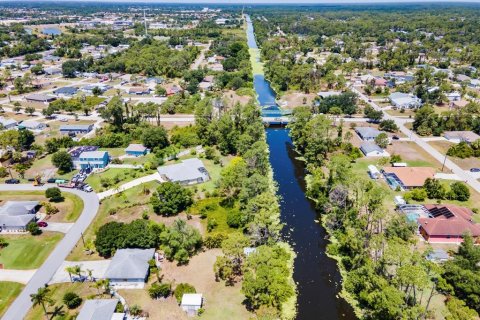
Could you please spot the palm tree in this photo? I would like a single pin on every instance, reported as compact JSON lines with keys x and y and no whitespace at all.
{"x":41,"y":298}
{"x":70,"y":270}
{"x":89,"y":273}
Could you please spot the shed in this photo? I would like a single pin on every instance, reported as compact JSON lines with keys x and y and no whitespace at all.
{"x":191,"y":302}
{"x":136,"y":150}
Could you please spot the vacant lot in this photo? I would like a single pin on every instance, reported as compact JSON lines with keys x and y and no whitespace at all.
{"x":112,"y":178}
{"x":220,"y":300}
{"x":26,"y":251}
{"x":69,"y":209}
{"x":295,"y":99}
{"x":465,"y":164}
{"x":413,"y":154}
{"x":8,"y":292}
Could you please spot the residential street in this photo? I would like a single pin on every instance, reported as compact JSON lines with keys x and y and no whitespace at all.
{"x":462,"y":174}
{"x":19,"y":308}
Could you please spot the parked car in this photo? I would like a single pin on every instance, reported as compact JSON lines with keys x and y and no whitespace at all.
{"x":12,"y":181}
{"x":42,"y":224}
{"x":87,"y":188}
{"x":475,"y":170}
{"x":395,"y":137}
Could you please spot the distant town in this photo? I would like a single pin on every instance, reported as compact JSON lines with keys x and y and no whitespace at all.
{"x":186,"y":161}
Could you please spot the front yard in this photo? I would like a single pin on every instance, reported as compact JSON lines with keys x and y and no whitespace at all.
{"x":8,"y":292}
{"x":26,"y":251}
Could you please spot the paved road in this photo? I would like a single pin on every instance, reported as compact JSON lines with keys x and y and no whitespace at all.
{"x":196,"y":64}
{"x":19,"y":308}
{"x":462,"y":174}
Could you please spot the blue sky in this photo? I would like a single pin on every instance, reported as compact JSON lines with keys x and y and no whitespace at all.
{"x":266,"y":1}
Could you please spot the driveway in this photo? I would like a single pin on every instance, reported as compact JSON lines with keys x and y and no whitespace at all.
{"x":98,"y":269}
{"x":21,"y":276}
{"x":58,"y":227}
{"x":131,"y":184}
{"x":19,"y":308}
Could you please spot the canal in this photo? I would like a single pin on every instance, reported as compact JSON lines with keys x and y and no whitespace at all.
{"x":317,"y":276}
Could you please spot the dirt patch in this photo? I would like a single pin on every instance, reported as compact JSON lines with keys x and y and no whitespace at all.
{"x":293,"y":99}
{"x":232,"y":98}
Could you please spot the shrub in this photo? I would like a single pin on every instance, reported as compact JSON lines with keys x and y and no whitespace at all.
{"x":72,"y":300}
{"x":33,"y":228}
{"x":461,"y":150}
{"x":3,"y":172}
{"x":459,"y":191}
{"x":416,"y":194}
{"x":211,"y":224}
{"x":183,"y":288}
{"x":54,"y":194}
{"x":234,"y":219}
{"x":159,"y":290}
{"x":214,"y":240}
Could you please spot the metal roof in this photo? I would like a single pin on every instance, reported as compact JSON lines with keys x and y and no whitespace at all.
{"x":98,"y":309}
{"x":187,"y":170}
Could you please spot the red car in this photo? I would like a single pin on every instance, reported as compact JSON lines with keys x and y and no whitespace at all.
{"x":42,"y":224}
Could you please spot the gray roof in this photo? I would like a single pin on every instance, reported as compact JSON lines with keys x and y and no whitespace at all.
{"x":438,"y":255}
{"x":368,"y":147}
{"x":129,"y":264}
{"x":404,"y":99}
{"x":187,"y":170}
{"x":367,"y":132}
{"x":92,"y":154}
{"x":98,"y":309}
{"x":7,"y":121}
{"x":136,"y":147}
{"x":467,"y":136}
{"x":66,"y":90}
{"x":32,"y":124}
{"x":17,"y":213}
{"x":40,"y":97}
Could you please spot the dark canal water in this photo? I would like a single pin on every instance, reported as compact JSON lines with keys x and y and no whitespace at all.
{"x":316,"y":275}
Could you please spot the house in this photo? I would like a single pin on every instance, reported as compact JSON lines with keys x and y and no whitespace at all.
{"x":453,"y":96}
{"x":371,"y":149}
{"x":89,"y":88}
{"x":65,"y":91}
{"x":404,"y":100}
{"x":76,"y":128}
{"x":32,"y":125}
{"x":16,"y":215}
{"x":8,"y":123}
{"x":38,"y":97}
{"x":191,"y":302}
{"x":459,"y":136}
{"x":136,"y":150}
{"x":129,"y":268}
{"x":447,"y":223}
{"x":139,"y":90}
{"x":93,"y":159}
{"x":52,"y":71}
{"x":173,"y":90}
{"x":189,"y":171}
{"x":205,"y":86}
{"x":367,"y":133}
{"x":75,"y":153}
{"x":100,"y":309}
{"x":407,"y":177}
{"x":438,"y":256}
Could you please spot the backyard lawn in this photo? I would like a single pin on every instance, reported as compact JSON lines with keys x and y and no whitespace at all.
{"x":26,"y":251}
{"x":8,"y":292}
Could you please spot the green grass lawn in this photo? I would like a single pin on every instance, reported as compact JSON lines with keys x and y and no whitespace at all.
{"x":8,"y":292}
{"x":70,"y":208}
{"x":115,"y":177}
{"x":26,"y":251}
{"x":213,"y":209}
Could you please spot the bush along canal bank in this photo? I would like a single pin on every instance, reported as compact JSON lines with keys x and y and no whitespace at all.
{"x":316,"y":275}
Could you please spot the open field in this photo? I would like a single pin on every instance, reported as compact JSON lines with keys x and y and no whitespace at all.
{"x":69,"y":209}
{"x":113,"y":177}
{"x":220,"y":300}
{"x":465,"y":164}
{"x":8,"y":292}
{"x":26,"y":251}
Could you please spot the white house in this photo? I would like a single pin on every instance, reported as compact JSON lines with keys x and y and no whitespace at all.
{"x":129,"y":268}
{"x":15,"y":215}
{"x":8,"y":123}
{"x":32,"y":125}
{"x":189,"y":171}
{"x":371,"y":149}
{"x":405,"y":100}
{"x":100,"y":309}
{"x":191,"y":302}
{"x":459,"y":136}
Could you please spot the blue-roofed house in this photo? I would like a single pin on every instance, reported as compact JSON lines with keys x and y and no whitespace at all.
{"x":136,"y":150}
{"x":65,"y":91}
{"x":93,"y":159}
